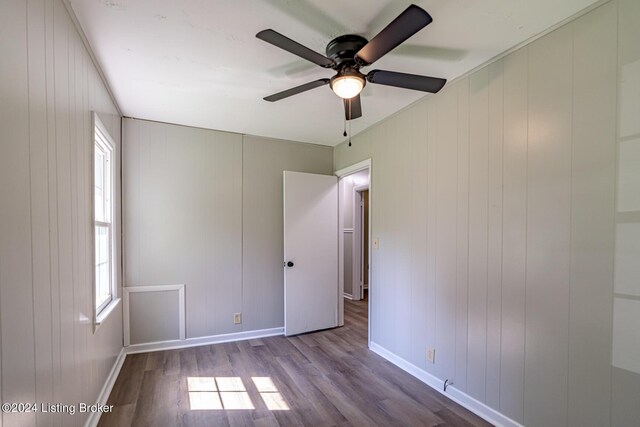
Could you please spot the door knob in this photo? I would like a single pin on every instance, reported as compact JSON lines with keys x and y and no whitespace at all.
{"x":289,"y":264}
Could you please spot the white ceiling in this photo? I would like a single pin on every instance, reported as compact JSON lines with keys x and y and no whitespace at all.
{"x":198,"y":63}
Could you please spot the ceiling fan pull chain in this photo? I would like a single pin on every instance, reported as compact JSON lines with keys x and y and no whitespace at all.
{"x":350,"y":116}
{"x":345,"y":127}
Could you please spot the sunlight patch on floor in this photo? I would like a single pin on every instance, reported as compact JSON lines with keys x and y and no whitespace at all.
{"x":236,"y":400}
{"x":230,"y":384}
{"x":269,"y":393}
{"x":201,"y":384}
{"x":230,"y":393}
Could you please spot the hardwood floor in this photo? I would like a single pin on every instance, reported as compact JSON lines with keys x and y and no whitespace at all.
{"x":326,"y":378}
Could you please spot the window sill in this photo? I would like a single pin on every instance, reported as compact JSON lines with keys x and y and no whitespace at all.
{"x":100,"y":318}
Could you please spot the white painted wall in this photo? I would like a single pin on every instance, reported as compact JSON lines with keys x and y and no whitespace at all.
{"x":495,"y":209}
{"x":204,"y":208}
{"x":49,"y":86}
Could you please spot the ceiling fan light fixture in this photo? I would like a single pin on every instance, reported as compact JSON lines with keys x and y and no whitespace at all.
{"x":348,"y":53}
{"x":347,"y":84}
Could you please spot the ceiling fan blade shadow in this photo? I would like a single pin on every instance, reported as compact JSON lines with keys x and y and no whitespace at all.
{"x":305,"y":12}
{"x":406,"y":81}
{"x":409,"y":22}
{"x":430,"y":52}
{"x":296,"y":90}
{"x":352,"y":108}
{"x":283,"y":42}
{"x":295,"y":68}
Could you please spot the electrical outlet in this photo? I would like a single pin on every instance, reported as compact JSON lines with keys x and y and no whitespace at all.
{"x":237,"y":318}
{"x":431,"y":355}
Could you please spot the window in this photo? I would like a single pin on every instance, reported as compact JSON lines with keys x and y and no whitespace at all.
{"x":103,"y":178}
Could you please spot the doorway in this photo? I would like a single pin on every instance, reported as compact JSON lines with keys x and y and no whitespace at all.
{"x":363,"y":262}
{"x":354,"y":189}
{"x":358,"y":283}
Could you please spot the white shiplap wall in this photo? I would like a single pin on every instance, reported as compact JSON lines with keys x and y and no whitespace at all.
{"x":49,"y":86}
{"x":494,"y":205}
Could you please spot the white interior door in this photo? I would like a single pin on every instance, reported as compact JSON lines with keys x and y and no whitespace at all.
{"x":310,"y":252}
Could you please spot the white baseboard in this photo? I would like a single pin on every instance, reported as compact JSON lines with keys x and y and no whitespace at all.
{"x":194,"y":342}
{"x":475,"y":406}
{"x":348,"y":296}
{"x":94,"y":417}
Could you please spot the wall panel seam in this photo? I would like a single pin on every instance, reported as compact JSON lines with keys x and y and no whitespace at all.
{"x":615,"y":195}
{"x":455,"y":313}
{"x":242,"y":327}
{"x":33,"y":311}
{"x":501,"y":235}
{"x":526,"y":238}
{"x":57,"y":207}
{"x":488,"y":239}
{"x":468,"y":231}
{"x":74,"y":196}
{"x":571,"y":179}
{"x":48,"y":172}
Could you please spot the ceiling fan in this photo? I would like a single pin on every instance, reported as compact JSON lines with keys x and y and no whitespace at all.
{"x":348,"y":53}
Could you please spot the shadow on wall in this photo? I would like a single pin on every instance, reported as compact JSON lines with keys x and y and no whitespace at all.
{"x":626,"y":300}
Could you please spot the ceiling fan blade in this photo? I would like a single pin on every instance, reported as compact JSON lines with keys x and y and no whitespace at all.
{"x":406,"y":81}
{"x":409,"y":22}
{"x":296,"y":90}
{"x":352,"y":108}
{"x":283,"y":42}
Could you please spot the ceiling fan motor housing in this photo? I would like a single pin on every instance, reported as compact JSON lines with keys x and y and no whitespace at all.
{"x":343,"y":49}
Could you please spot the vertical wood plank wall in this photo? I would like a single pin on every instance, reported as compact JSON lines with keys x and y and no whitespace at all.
{"x":512,"y":277}
{"x":263,"y":161}
{"x":625,"y":377}
{"x":592,"y":241}
{"x":204,"y":208}
{"x":49,"y":86}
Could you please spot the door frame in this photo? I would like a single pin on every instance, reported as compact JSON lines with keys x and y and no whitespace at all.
{"x":341,"y":173}
{"x":358,"y":240}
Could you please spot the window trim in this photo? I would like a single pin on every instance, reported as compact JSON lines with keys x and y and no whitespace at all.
{"x":108,"y":301}
{"x":106,"y":141}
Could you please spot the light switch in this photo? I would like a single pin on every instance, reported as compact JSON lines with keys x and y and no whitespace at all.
{"x":376,"y":243}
